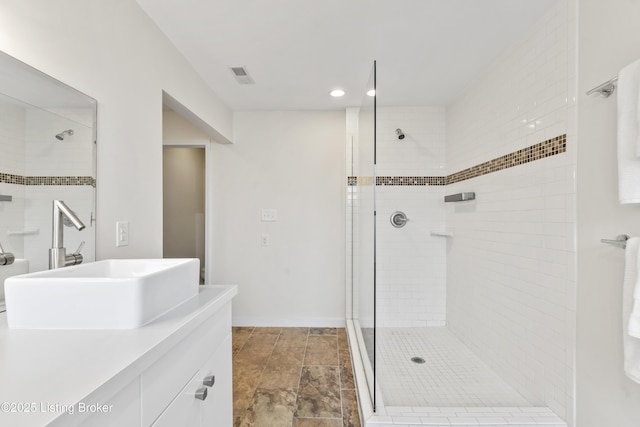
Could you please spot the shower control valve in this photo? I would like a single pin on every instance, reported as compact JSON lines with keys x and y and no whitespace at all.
{"x":399,"y":219}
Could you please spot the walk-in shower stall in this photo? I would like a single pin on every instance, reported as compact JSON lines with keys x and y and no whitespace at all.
{"x":460,"y":244}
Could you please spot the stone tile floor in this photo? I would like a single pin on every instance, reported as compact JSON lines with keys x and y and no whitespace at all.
{"x":293,"y":377}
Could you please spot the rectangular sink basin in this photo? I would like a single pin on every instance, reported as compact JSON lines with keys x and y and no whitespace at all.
{"x":110,"y":294}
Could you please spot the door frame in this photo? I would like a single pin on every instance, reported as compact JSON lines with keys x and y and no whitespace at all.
{"x":208,"y":196}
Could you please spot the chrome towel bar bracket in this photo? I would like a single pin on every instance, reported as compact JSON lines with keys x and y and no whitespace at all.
{"x":605,"y":89}
{"x":620,"y":241}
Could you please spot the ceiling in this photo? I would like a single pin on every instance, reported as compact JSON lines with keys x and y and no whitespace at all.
{"x":427,"y":51}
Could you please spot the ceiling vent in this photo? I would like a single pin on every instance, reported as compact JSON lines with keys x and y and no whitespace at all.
{"x":241,"y":75}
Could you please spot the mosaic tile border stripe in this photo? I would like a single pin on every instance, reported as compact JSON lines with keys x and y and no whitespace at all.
{"x":550,"y":147}
{"x":541,"y":150}
{"x":411,"y":180}
{"x":8,"y":178}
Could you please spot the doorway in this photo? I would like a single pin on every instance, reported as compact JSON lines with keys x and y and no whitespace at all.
{"x":184,"y":203}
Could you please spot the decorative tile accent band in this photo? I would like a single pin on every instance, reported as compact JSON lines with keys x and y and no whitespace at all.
{"x":8,"y":178}
{"x":547,"y":148}
{"x":60,"y":180}
{"x":535,"y":152}
{"x":411,"y":180}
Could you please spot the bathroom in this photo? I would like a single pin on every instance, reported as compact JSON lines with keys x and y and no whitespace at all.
{"x":286,"y":286}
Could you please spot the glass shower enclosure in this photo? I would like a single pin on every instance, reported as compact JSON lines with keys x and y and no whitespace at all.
{"x":362,"y":224}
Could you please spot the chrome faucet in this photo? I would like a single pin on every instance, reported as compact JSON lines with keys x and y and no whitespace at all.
{"x":62,"y":215}
{"x":6,"y":258}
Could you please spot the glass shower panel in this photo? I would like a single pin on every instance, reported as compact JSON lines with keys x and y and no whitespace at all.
{"x":363,"y":229}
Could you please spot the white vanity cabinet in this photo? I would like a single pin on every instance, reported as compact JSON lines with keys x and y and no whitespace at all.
{"x":122,"y":410}
{"x":183,"y":386}
{"x":206,"y":400}
{"x":218,"y":410}
{"x":175,"y":371}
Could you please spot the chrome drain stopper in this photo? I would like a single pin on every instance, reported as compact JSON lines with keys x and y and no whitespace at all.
{"x":417,"y":360}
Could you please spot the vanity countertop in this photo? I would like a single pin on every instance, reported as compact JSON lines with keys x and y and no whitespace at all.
{"x":44,"y":371}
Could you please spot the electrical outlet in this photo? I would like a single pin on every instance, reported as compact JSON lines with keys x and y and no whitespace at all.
{"x":264,"y":240}
{"x":122,"y":233}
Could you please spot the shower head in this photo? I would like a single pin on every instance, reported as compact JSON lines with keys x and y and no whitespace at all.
{"x":60,"y":136}
{"x":399,"y":133}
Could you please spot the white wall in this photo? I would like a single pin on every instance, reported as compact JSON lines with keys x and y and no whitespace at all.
{"x":113,"y":52}
{"x":608,"y":39}
{"x":292,"y":162}
{"x":511,"y":260}
{"x":177,"y":128}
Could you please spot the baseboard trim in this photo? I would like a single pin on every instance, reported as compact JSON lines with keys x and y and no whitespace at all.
{"x":289,"y":322}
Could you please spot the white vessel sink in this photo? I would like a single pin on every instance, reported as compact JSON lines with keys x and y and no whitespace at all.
{"x":19,"y":266}
{"x":110,"y":294}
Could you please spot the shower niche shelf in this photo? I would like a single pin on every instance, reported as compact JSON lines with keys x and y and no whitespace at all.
{"x":442,"y":233}
{"x":460,"y":197}
{"x":25,"y":232}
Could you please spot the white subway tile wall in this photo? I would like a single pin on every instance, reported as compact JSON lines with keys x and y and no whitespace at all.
{"x":411,"y":263}
{"x":12,"y":161}
{"x":49,"y":156}
{"x":12,"y":138}
{"x":510,"y":267}
{"x":38,"y":217}
{"x":12,"y":214}
{"x":520,"y":101}
{"x":421,"y":152}
{"x":30,"y":149}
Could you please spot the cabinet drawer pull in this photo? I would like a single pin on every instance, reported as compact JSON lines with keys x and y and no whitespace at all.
{"x":201,"y":393}
{"x":209,"y":380}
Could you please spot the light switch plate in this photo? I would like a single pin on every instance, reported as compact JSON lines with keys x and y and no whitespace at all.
{"x":269,"y":215}
{"x":122,"y":233}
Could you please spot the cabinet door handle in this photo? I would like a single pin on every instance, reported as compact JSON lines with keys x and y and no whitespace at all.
{"x":201,"y":393}
{"x":209,"y":380}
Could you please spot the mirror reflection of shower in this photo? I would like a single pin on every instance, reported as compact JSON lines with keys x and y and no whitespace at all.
{"x":400,"y":134}
{"x":60,"y":136}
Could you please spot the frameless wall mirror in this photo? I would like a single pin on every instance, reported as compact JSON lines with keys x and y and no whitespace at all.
{"x":47,"y":152}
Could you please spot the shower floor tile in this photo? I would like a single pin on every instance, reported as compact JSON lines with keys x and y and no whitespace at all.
{"x":452,"y":376}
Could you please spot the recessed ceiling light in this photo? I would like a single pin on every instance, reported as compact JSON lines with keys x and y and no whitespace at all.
{"x":336,"y":92}
{"x":371,"y":92}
